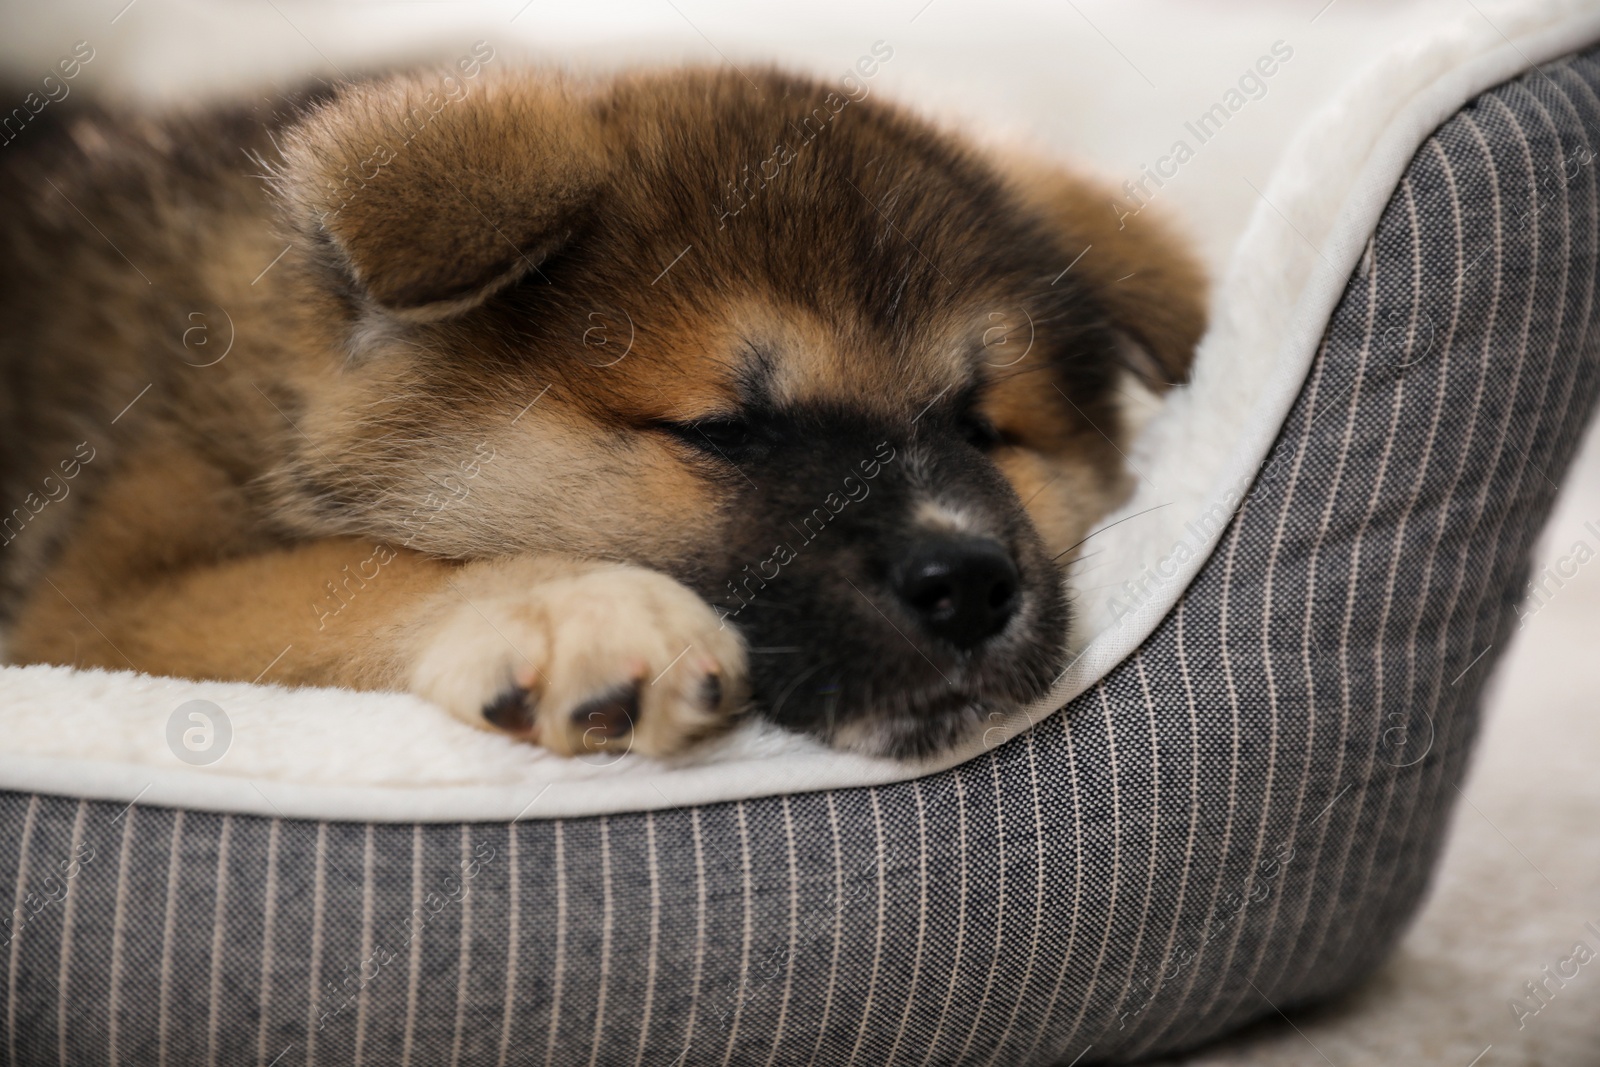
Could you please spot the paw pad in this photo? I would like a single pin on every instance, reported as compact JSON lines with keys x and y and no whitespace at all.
{"x":711,"y":692}
{"x":513,"y":710}
{"x":607,"y":717}
{"x":597,"y":664}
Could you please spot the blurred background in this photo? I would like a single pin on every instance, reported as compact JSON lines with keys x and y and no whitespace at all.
{"x":1108,"y":86}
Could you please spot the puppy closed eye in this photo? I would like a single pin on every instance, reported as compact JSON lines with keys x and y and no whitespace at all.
{"x":979,"y":432}
{"x":728,"y":437}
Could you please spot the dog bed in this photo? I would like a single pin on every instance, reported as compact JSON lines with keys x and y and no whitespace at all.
{"x":1229,"y":807}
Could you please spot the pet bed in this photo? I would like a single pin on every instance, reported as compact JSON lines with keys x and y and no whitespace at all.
{"x":1230,"y":805}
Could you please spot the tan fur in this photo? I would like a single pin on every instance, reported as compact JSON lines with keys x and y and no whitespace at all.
{"x":1151,"y":284}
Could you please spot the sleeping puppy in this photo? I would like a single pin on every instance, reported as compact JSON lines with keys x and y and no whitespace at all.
{"x":587,"y":410}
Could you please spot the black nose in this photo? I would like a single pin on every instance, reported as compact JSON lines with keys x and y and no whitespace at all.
{"x":964,"y":589}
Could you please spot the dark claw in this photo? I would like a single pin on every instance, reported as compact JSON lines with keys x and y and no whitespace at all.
{"x":607,"y":716}
{"x":512,"y":710}
{"x":711,"y":691}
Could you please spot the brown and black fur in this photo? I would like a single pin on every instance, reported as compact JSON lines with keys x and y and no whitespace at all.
{"x":503,"y":361}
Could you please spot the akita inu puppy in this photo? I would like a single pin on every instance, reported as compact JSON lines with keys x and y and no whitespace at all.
{"x":581,"y":408}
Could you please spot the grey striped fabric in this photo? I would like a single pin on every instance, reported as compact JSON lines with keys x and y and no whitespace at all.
{"x":1240,"y":817}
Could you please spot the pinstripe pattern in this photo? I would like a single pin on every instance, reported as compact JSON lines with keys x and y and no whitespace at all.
{"x":414,"y":956}
{"x":513,"y":945}
{"x":119,"y":927}
{"x":961,"y":916}
{"x":922,"y":922}
{"x":561,"y":941}
{"x":168,"y":931}
{"x":996,"y":955}
{"x":318,"y":915}
{"x":655,"y":938}
{"x":19,"y":917}
{"x":268,"y":930}
{"x":364,"y":1001}
{"x":64,"y":970}
{"x":744,"y":938}
{"x":834,"y":904}
{"x":218,"y":941}
{"x":605,"y":940}
{"x":1241,"y":815}
{"x":794,"y":928}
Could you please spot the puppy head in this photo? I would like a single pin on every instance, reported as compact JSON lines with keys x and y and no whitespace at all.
{"x":853,"y":383}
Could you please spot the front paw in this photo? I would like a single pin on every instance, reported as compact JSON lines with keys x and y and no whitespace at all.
{"x":610,"y":660}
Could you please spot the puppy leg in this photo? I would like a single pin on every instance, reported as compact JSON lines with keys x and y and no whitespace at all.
{"x":577,"y":655}
{"x":572,"y":654}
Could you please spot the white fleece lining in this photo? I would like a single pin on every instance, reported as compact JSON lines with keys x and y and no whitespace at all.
{"x":319,"y":753}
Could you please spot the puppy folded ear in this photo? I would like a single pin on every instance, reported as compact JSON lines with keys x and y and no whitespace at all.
{"x":1140,"y":272}
{"x":432,"y":191}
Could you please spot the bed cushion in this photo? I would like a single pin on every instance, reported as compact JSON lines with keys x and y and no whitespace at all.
{"x":1238,"y":819}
